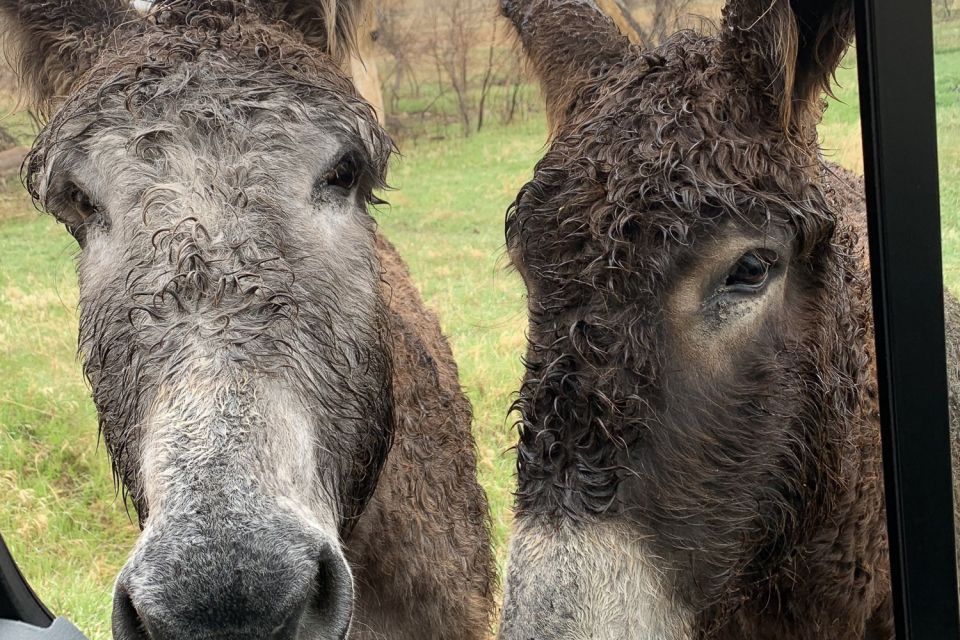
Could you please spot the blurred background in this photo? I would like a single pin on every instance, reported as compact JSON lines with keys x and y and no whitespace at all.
{"x":452,"y":89}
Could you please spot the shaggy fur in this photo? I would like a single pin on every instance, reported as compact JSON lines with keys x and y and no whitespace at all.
{"x":282,"y":409}
{"x":733,"y":437}
{"x":327,"y":25}
{"x":51,"y":44}
{"x":571,"y":38}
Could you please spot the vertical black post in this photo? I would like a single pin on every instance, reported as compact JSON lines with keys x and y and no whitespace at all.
{"x":895,"y":59}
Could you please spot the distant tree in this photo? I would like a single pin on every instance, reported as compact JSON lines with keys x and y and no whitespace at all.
{"x":396,"y":36}
{"x":943,"y":9}
{"x":487,"y":83}
{"x":449,"y":62}
{"x":455,"y":32}
{"x":656,"y":20}
{"x":623,"y":18}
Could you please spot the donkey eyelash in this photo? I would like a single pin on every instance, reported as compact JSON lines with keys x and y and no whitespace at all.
{"x":72,"y":205}
{"x":350,"y":172}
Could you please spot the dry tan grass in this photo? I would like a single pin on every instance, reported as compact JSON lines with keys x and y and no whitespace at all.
{"x":842,"y":144}
{"x":14,"y":200}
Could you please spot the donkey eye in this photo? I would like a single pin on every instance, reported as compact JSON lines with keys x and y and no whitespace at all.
{"x":752,"y":270}
{"x":82,"y":204}
{"x":345,"y":174}
{"x":77,"y":211}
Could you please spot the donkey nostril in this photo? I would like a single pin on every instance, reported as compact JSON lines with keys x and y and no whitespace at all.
{"x":333,"y":593}
{"x":127,"y":623}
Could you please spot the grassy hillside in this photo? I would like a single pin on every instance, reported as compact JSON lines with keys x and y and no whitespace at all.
{"x":57,"y":506}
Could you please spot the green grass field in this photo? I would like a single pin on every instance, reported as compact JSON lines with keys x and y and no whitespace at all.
{"x":58,"y":509}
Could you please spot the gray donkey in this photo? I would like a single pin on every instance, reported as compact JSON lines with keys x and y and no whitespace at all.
{"x":281,"y":409}
{"x":699,"y":450}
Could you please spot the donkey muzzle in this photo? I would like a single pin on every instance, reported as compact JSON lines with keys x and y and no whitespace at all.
{"x":239,"y":583}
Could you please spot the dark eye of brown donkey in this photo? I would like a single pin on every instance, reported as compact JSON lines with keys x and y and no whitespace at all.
{"x":752,"y":269}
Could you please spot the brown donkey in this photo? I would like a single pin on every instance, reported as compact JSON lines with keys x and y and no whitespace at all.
{"x":281,"y":408}
{"x":699,"y":449}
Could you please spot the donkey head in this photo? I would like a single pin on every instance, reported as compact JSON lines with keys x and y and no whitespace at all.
{"x":692,"y":351}
{"x":215,"y":166}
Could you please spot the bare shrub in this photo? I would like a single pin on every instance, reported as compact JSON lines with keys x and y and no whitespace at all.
{"x":449,"y":65}
{"x":455,"y":32}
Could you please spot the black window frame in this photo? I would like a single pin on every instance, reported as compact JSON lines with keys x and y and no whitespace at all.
{"x":895,"y":59}
{"x":17,"y":600}
{"x":898,"y":110}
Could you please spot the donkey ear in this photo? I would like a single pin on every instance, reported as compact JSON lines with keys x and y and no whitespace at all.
{"x":568,"y":43}
{"x":331,"y":26}
{"x":51,"y":44}
{"x":792,"y":47}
